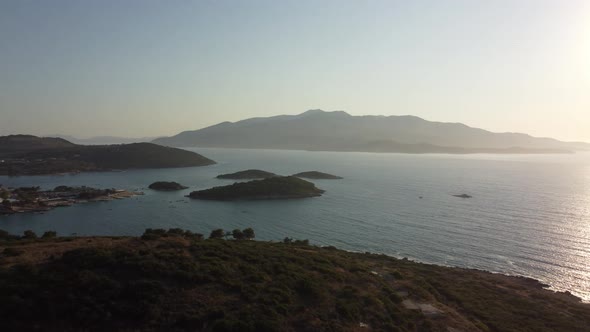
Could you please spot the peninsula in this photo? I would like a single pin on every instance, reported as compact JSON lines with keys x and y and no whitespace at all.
{"x":175,"y":280}
{"x":32,"y":155}
{"x":277,"y":187}
{"x":247,"y":175}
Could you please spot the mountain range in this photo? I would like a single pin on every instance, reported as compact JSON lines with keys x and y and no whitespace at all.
{"x":318,"y":130}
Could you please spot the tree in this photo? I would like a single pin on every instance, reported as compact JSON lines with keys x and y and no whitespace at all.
{"x":217,"y":234}
{"x":249,"y":233}
{"x":49,"y":235}
{"x":29,"y":234}
{"x":238,"y":234}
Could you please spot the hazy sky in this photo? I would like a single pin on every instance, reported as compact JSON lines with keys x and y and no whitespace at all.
{"x":150,"y":68}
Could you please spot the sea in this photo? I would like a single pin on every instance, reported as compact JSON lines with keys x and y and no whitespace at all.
{"x":529,"y":215}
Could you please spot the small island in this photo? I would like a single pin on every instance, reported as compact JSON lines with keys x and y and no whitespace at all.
{"x":278,"y":187}
{"x":166,"y":186}
{"x":463,"y":196}
{"x":33,"y":199}
{"x":247,"y":174}
{"x":317,"y":175}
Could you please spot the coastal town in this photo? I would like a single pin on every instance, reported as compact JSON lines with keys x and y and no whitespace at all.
{"x":35,"y":200}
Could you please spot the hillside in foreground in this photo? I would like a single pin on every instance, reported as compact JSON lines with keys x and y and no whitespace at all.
{"x":31,"y":155}
{"x":179,"y":282}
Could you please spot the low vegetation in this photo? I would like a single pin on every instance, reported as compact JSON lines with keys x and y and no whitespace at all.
{"x":277,"y":187}
{"x":174,"y":280}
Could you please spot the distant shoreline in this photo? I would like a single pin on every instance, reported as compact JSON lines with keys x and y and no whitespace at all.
{"x":486,"y":151}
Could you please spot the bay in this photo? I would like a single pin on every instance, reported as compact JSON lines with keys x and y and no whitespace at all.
{"x":529,"y":214}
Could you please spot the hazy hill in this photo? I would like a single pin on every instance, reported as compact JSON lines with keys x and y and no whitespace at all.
{"x":102,"y":140}
{"x":18,"y":144}
{"x":340,"y":131}
{"x":26,"y":154}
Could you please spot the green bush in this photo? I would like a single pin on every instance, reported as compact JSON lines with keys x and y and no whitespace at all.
{"x":217,"y":234}
{"x":49,"y":235}
{"x":238,"y":234}
{"x":249,"y":233}
{"x":176,"y":231}
{"x":29,"y":234}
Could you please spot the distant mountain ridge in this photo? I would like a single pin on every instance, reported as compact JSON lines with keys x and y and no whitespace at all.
{"x":103,"y":140}
{"x":340,"y":131}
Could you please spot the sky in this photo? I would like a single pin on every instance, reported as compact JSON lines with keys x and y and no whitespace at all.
{"x":155,"y":68}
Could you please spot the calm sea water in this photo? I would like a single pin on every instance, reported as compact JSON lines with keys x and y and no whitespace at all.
{"x":529,"y":215}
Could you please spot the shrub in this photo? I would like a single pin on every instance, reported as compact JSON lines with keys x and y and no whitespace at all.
{"x":176,"y":231}
{"x":238,"y":234}
{"x":249,"y":233}
{"x":49,"y":235}
{"x":153,"y":234}
{"x":217,"y":234}
{"x":29,"y":234}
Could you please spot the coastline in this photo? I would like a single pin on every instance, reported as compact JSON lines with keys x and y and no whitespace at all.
{"x":534,"y":280}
